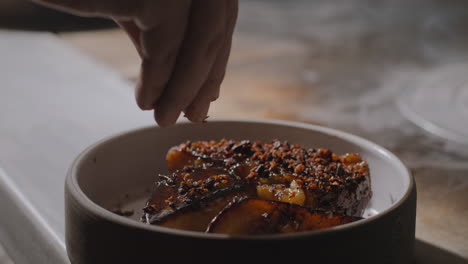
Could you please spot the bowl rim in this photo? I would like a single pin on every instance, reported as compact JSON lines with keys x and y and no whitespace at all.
{"x":73,"y":188}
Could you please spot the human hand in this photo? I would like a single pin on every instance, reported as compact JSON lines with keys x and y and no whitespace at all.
{"x":184,"y":46}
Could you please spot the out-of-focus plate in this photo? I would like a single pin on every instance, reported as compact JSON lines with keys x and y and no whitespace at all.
{"x":438,"y":103}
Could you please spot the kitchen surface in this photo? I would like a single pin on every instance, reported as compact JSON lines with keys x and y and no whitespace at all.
{"x":363,"y":66}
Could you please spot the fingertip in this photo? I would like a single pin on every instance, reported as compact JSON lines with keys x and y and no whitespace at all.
{"x":146,"y":107}
{"x":194,"y":119}
{"x":197,"y":112}
{"x":166,"y":118}
{"x":143,"y":106}
{"x":140,"y":99}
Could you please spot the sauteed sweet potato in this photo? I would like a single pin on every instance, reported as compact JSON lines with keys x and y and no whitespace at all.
{"x":210,"y":181}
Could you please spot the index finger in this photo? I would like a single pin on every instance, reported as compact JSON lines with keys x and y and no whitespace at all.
{"x":202,"y":42}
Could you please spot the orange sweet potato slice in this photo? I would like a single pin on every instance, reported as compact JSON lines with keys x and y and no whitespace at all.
{"x":190,"y":199}
{"x":198,"y":216}
{"x":257,"y":217}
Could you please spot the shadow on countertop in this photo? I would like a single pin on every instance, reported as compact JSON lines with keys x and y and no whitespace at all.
{"x":426,"y":253}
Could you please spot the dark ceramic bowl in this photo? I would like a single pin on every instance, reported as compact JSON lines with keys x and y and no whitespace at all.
{"x":118,"y":173}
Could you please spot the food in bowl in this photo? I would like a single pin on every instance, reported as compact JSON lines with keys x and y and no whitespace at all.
{"x":251,"y":187}
{"x":120,"y":171}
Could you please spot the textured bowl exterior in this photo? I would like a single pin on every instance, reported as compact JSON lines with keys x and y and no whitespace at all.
{"x":94,"y":237}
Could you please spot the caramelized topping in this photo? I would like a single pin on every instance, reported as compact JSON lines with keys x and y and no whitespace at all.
{"x":314,"y":169}
{"x":188,"y":188}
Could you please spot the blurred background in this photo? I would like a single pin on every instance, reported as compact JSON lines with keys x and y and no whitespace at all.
{"x":393,"y":71}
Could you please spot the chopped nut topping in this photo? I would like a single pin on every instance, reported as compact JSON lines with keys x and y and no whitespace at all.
{"x":320,"y":167}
